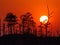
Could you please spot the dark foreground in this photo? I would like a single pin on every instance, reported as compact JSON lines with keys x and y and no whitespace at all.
{"x":28,"y":40}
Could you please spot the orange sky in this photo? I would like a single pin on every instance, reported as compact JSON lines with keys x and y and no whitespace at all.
{"x":36,"y":7}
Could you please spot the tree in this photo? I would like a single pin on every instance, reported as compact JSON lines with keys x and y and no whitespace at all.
{"x":27,"y":21}
{"x":11,"y":21}
{"x":32,"y":25}
{"x":40,"y":30}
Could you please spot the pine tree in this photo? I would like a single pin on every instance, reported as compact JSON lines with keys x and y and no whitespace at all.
{"x":27,"y":22}
{"x":11,"y":20}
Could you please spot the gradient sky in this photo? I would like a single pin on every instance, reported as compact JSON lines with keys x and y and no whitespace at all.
{"x":36,"y":7}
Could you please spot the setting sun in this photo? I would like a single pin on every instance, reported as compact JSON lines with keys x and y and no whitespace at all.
{"x":43,"y":19}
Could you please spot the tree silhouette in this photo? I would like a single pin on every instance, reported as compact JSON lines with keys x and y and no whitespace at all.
{"x":33,"y":25}
{"x":40,"y":30}
{"x":23,"y":20}
{"x":27,"y":21}
{"x":49,"y":16}
{"x":11,"y":20}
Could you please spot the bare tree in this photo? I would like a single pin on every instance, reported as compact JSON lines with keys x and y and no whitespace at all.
{"x":49,"y":16}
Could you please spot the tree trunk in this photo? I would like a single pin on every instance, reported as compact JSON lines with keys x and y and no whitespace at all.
{"x":23,"y":27}
{"x":10,"y":29}
{"x":46,"y":26}
{"x":3,"y":29}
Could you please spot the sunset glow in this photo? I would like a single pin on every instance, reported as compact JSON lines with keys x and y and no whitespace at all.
{"x":37,"y":8}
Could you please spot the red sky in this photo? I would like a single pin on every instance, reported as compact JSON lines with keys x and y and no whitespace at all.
{"x":36,"y":7}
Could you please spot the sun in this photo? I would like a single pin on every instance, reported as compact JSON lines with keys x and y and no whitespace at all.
{"x":44,"y":19}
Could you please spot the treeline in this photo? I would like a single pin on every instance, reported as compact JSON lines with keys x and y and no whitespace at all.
{"x":26,"y":25}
